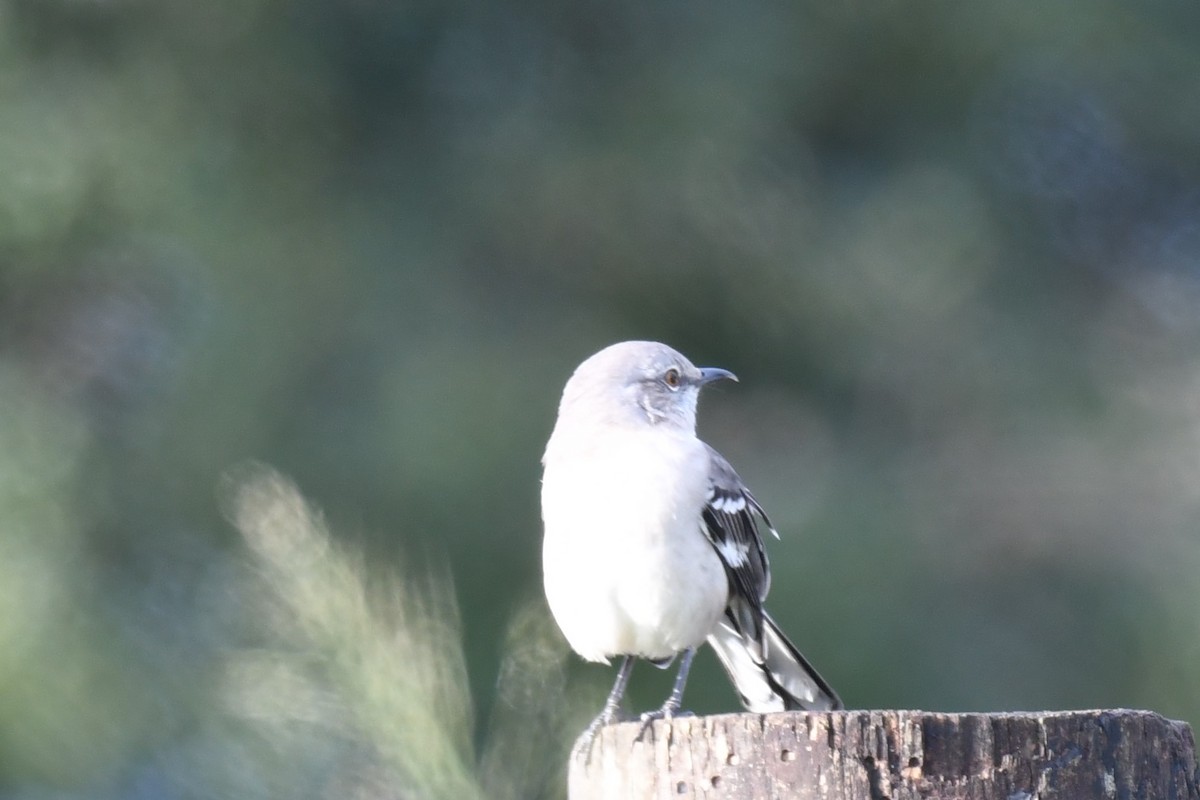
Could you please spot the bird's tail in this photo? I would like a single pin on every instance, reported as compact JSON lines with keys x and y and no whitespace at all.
{"x":782,"y":680}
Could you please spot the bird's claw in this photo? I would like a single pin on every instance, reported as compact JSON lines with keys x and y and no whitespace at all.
{"x":667,"y":712}
{"x":583,"y":745}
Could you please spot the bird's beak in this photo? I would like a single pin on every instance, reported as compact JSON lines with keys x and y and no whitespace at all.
{"x":710,"y":374}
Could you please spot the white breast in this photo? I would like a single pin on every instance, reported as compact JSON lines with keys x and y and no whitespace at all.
{"x":627,"y":567}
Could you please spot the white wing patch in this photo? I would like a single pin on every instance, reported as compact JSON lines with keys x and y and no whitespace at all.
{"x":735,"y":554}
{"x":732,"y":504}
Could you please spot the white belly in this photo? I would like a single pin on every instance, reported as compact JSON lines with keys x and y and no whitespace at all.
{"x":627,"y":571}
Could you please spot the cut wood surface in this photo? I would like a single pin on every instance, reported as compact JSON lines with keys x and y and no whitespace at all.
{"x":872,"y":755}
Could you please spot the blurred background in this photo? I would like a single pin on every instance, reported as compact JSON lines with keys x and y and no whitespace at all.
{"x":952,"y":251}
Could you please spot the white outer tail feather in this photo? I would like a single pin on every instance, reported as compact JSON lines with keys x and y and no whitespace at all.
{"x":783,"y":680}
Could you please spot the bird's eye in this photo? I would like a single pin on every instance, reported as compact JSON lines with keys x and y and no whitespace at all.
{"x":671,"y":378}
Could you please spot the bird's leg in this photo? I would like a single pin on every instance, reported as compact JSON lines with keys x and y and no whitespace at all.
{"x":671,"y":707}
{"x":675,"y":699}
{"x":609,"y":713}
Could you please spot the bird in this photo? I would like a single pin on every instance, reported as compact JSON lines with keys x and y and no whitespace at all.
{"x":652,"y":542}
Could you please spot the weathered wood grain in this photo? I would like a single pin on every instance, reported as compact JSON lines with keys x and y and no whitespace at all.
{"x":873,"y":755}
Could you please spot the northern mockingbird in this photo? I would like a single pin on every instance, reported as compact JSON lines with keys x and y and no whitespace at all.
{"x":651,"y":541}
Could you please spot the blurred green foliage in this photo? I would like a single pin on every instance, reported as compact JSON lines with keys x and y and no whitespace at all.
{"x":951,"y":249}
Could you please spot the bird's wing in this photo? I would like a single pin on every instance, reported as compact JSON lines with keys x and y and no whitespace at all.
{"x":731,"y":516}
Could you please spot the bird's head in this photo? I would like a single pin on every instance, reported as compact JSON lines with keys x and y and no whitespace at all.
{"x":639,"y":383}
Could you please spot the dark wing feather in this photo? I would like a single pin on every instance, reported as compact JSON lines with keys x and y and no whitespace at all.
{"x":731,"y":517}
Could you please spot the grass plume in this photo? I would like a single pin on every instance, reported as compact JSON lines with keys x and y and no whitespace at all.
{"x":376,"y":681}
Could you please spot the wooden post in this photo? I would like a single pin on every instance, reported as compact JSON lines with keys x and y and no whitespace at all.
{"x":901,"y":755}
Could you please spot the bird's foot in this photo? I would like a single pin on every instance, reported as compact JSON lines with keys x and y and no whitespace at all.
{"x":669,"y":711}
{"x":583,"y":745}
